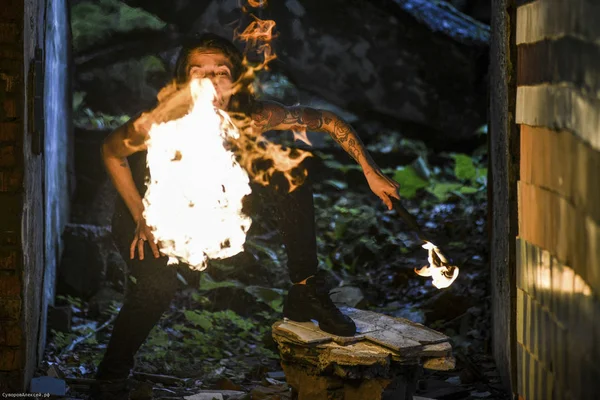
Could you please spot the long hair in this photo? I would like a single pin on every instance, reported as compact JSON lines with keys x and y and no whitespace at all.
{"x":242,"y":101}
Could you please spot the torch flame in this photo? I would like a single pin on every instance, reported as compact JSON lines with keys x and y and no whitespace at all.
{"x":194,"y":197}
{"x":439,"y":268}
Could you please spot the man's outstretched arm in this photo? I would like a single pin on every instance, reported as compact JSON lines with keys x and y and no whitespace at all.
{"x":274,"y":116}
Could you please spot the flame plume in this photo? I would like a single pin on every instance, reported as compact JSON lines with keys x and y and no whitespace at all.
{"x":194,"y":197}
{"x":201,"y":160}
{"x":252,"y":148}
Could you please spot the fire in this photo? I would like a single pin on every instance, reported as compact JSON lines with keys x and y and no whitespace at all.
{"x":194,"y":197}
{"x":254,"y":148}
{"x":439,"y":268}
{"x":259,"y":35}
{"x":257,"y":3}
{"x":199,"y":176}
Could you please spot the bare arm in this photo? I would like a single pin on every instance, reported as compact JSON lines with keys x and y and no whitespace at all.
{"x":121,"y":143}
{"x":131,"y":138}
{"x":275,"y":116}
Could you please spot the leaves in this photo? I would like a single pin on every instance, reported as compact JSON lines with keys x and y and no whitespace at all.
{"x":78,"y":98}
{"x":340,"y":185}
{"x":91,"y":22}
{"x":197,"y":319}
{"x":272,"y":297}
{"x":442,"y":190}
{"x":207,"y":283}
{"x":410,"y":181}
{"x":464,"y":168}
{"x":86,"y":118}
{"x":341,"y":167}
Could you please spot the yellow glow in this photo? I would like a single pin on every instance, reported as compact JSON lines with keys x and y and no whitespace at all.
{"x":194,"y":197}
{"x":565,"y":280}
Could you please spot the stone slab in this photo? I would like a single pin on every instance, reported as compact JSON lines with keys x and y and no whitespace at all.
{"x":437,"y":350}
{"x":408,"y":329}
{"x":378,"y":337}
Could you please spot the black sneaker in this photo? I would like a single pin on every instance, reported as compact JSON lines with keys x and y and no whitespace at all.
{"x":312,"y":301}
{"x":113,"y":389}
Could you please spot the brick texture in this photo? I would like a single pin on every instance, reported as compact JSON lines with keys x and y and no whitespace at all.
{"x":11,"y":201}
{"x":11,"y":334}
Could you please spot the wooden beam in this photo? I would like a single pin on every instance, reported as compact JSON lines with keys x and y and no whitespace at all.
{"x":560,"y":107}
{"x":551,"y":222}
{"x":564,"y":60}
{"x":553,"y":19}
{"x":561,"y":162}
{"x":504,"y":162}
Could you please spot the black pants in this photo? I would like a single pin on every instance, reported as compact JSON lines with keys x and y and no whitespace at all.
{"x":156,"y":283}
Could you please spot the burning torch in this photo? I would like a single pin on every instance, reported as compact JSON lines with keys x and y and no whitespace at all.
{"x":440,"y":268}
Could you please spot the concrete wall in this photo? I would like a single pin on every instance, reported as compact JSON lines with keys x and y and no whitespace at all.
{"x":558,"y":246}
{"x":26,"y":192}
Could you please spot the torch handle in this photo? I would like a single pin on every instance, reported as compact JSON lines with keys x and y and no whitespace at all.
{"x":408,"y":218}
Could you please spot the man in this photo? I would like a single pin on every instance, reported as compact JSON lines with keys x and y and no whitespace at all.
{"x":210,"y":56}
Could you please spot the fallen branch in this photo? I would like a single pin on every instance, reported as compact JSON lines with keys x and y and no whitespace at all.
{"x":83,"y":338}
{"x":164,"y":379}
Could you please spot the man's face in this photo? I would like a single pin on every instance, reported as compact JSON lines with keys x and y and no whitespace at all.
{"x":213,"y":65}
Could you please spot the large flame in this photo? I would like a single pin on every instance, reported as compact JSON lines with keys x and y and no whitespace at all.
{"x":260,"y":157}
{"x":442,"y":273}
{"x":194,"y":197}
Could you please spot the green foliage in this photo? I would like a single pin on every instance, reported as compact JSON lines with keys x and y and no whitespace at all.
{"x":468,"y":177}
{"x":74,"y":301}
{"x":61,"y":339}
{"x":198,"y":319}
{"x":464,"y":168}
{"x":441,"y":190}
{"x":87,"y":118}
{"x":341,"y":167}
{"x":152,"y":64}
{"x":207,"y":283}
{"x":410,"y":182}
{"x":78,"y":100}
{"x":270,"y":296}
{"x":204,"y":335}
{"x":93,"y":21}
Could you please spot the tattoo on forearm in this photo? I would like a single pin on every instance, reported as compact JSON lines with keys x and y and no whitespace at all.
{"x":269,"y":117}
{"x":341,"y":131}
{"x":353,"y":150}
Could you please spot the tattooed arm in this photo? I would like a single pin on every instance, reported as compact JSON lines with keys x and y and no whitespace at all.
{"x":275,"y":116}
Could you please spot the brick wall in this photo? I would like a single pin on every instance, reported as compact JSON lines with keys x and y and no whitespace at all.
{"x":21,"y":199}
{"x":11,"y":193}
{"x":558,"y":245}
